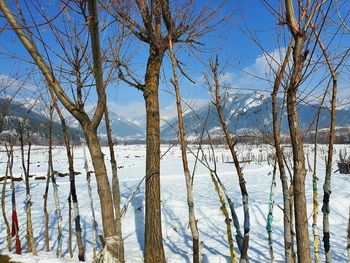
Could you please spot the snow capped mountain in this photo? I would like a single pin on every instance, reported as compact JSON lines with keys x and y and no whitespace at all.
{"x":122,"y":127}
{"x":247,"y":113}
{"x":35,"y":118}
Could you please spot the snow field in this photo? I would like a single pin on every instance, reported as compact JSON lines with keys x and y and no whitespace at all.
{"x":176,"y":233}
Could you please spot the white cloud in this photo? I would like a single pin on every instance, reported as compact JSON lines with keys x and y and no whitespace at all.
{"x":12,"y":84}
{"x":133,"y":111}
{"x":256,"y":76}
{"x":188,"y":105}
{"x":262,"y":70}
{"x":227,"y":77}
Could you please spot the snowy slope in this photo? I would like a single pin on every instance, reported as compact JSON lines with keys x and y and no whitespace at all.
{"x":176,"y":234}
{"x":251,"y":112}
{"x":122,"y":127}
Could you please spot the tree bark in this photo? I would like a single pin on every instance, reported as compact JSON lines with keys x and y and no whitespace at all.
{"x":94,"y":223}
{"x":154,"y":251}
{"x":279,"y":157}
{"x":242,"y":185}
{"x":56,"y":199}
{"x":89,"y":126}
{"x":70,"y":246}
{"x":73,"y":198}
{"x":270,"y":214}
{"x":30,"y":235}
{"x":189,"y":186}
{"x":15,"y":226}
{"x":90,"y":131}
{"x":115,"y":188}
{"x":327,"y":183}
{"x":103,"y":185}
{"x":227,"y":219}
{"x":3,"y":206}
{"x":315,"y":185}
{"x":48,"y":175}
{"x":301,"y":219}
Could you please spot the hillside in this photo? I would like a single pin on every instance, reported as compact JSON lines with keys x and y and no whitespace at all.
{"x":247,"y":113}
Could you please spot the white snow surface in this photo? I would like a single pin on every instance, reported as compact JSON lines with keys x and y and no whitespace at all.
{"x":176,"y":233}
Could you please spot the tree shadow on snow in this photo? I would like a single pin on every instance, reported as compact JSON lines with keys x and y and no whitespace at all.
{"x":173,"y":219}
{"x":139,"y":217}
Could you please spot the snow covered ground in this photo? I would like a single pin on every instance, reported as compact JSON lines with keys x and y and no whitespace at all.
{"x":176,"y":234}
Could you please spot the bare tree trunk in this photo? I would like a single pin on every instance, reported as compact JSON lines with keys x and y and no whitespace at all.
{"x":73,"y":195}
{"x":315,"y":195}
{"x":94,"y":223}
{"x":300,"y":211}
{"x":314,"y":185}
{"x":46,"y":214}
{"x":301,"y":218}
{"x":15,"y":226}
{"x":227,"y":219}
{"x":28,"y":202}
{"x":74,"y":198}
{"x":110,"y":251}
{"x":154,"y":251}
{"x":327,"y":183}
{"x":189,"y":187}
{"x":3,"y":206}
{"x":270,"y":214}
{"x":242,"y":185}
{"x":292,"y":227}
{"x":115,"y":188}
{"x":89,"y":126}
{"x":56,"y":199}
{"x":279,"y":157}
{"x":103,"y":186}
{"x":70,"y":226}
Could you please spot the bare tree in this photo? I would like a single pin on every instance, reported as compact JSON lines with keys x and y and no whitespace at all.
{"x":183,"y":27}
{"x":15,"y":226}
{"x":298,"y":28}
{"x":214,"y":69}
{"x":3,"y":206}
{"x":48,"y":175}
{"x":94,"y":223}
{"x":89,"y":126}
{"x":327,"y":184}
{"x":189,"y":186}
{"x":22,"y":133}
{"x":279,"y":156}
{"x":73,"y":193}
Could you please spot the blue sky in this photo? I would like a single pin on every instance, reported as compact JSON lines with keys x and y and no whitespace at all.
{"x":237,"y":52}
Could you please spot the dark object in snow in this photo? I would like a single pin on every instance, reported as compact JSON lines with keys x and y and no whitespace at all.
{"x":40,"y":178}
{"x":66,"y":174}
{"x":3,"y":178}
{"x":17,"y":179}
{"x":5,"y":259}
{"x":344,"y":168}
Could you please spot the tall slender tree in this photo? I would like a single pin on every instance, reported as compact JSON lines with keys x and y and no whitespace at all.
{"x":279,"y":156}
{"x":184,"y":27}
{"x":244,"y":252}
{"x":89,"y":125}
{"x":189,"y":185}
